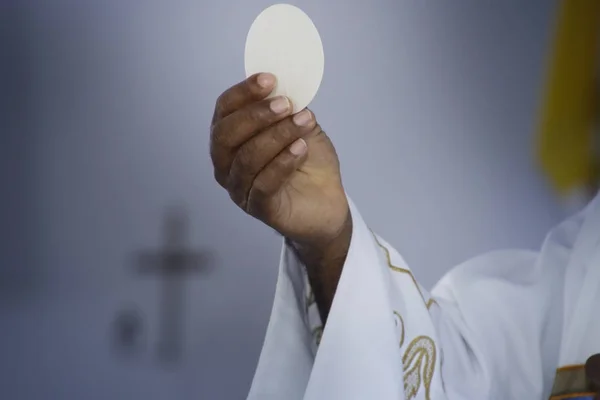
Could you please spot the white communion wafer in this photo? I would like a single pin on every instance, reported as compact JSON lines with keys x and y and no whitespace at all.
{"x":284,"y":41}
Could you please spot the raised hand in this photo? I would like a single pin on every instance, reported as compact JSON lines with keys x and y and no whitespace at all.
{"x":279,"y":168}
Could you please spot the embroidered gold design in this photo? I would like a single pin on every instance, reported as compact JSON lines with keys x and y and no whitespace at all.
{"x":388,"y":257}
{"x":400,"y":321}
{"x":431,"y":302}
{"x":419,"y":366}
{"x":420,"y":357}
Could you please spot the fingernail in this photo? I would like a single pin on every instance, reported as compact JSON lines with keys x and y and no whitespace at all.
{"x":298,"y":147}
{"x":265,"y":80}
{"x":303,"y":118}
{"x":280,"y":105}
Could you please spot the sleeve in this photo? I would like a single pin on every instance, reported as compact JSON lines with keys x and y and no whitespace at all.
{"x":488,"y":330}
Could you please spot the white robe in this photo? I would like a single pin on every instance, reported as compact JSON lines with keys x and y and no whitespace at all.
{"x":495,"y":327}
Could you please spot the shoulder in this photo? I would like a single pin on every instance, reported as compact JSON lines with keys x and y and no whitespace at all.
{"x":489,"y":273}
{"x":563,"y":248}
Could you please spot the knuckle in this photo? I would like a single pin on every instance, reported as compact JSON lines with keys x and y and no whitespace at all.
{"x":245,"y":158}
{"x":234,"y":188}
{"x":218,"y":137}
{"x":288,"y":131}
{"x":256,"y":114}
{"x":239,"y":181}
{"x":246,"y":88}
{"x":221,"y":104}
{"x":282,"y":134}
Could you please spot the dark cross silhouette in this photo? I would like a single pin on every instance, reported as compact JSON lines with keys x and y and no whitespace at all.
{"x":173,"y":263}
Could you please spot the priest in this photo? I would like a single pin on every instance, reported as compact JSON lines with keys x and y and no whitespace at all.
{"x":349,"y":319}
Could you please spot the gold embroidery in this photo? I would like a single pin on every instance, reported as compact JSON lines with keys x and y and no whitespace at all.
{"x":431,"y":302}
{"x":388,"y":257}
{"x":419,"y":366}
{"x":399,"y":318}
{"x":419,"y":359}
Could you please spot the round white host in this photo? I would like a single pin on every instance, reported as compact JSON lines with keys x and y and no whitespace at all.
{"x":284,"y":41}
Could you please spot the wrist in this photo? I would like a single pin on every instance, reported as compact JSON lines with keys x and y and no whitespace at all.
{"x":322,"y":251}
{"x":324,"y":261}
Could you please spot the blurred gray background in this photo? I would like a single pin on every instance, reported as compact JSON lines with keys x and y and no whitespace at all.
{"x":105,"y":113}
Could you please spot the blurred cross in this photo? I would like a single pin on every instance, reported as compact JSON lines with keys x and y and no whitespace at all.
{"x":173,"y":263}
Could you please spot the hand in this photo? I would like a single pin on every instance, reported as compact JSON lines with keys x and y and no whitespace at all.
{"x":279,"y":168}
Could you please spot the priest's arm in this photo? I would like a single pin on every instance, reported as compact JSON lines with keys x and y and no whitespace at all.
{"x":490,"y":329}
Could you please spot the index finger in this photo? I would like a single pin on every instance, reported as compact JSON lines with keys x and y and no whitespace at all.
{"x":254,"y":88}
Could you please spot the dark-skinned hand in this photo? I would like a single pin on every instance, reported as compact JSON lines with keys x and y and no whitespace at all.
{"x":280,"y":168}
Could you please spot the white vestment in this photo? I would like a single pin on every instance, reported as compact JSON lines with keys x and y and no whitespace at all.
{"x":496,"y":327}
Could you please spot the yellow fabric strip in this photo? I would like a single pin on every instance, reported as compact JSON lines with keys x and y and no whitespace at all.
{"x":569,"y":109}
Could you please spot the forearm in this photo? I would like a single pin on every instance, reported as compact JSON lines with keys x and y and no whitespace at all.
{"x":324,"y":264}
